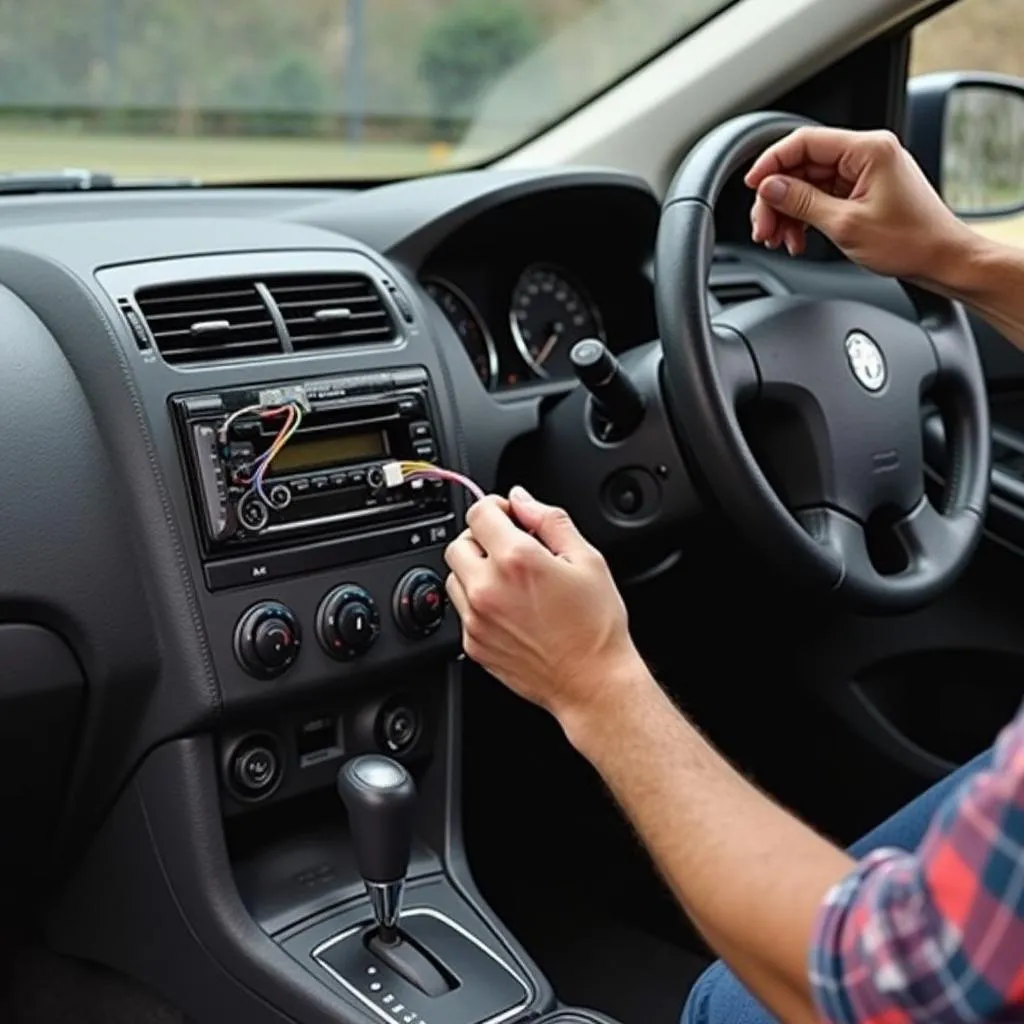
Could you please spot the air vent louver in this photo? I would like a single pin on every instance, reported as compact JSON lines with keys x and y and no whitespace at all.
{"x":732,"y":293}
{"x":331,"y":310}
{"x":207,"y":321}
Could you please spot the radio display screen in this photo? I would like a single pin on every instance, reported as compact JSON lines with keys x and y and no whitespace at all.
{"x":304,"y":455}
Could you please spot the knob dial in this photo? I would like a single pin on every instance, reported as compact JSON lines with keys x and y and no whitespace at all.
{"x":267,"y":639}
{"x":419,"y":603}
{"x":347,"y":622}
{"x":253,"y":514}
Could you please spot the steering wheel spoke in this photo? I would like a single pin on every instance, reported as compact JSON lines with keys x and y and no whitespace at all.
{"x":737,"y":369}
{"x":934,"y":544}
{"x":931,"y":539}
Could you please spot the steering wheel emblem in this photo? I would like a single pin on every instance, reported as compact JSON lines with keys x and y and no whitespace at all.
{"x":866,"y":361}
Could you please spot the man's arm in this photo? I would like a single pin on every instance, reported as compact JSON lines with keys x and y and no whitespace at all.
{"x":542,"y":614}
{"x":932,"y":936}
{"x":988,"y":276}
{"x":751,"y":876}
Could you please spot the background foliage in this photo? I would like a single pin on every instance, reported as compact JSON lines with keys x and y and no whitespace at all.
{"x":230,"y":89}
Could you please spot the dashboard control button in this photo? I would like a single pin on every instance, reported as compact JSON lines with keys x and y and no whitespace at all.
{"x":420,"y":430}
{"x":347,"y":622}
{"x":419,"y":602}
{"x":255,"y":767}
{"x":627,"y":498}
{"x":267,"y":639}
{"x":398,"y":728}
{"x":631,"y":495}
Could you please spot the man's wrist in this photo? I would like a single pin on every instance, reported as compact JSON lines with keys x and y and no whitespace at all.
{"x":962,"y":264}
{"x":625,"y":685}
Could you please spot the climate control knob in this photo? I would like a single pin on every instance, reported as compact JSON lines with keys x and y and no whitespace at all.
{"x":347,"y":622}
{"x":267,"y":639}
{"x":419,"y":603}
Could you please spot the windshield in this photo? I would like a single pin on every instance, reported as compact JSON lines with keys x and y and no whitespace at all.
{"x":244,"y":90}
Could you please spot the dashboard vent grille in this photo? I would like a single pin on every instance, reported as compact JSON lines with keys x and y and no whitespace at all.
{"x":329,"y":310}
{"x":732,"y":293}
{"x":207,"y":321}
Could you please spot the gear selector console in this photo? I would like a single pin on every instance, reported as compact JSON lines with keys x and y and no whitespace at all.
{"x":426,"y":964}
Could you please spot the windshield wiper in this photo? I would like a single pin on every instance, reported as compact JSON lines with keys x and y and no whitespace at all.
{"x":75,"y":179}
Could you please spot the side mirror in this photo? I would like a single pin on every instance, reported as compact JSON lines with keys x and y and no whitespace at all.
{"x":966,"y":130}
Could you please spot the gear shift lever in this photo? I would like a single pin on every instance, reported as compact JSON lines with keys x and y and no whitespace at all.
{"x":380,"y":797}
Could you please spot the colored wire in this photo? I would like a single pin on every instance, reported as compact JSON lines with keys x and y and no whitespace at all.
{"x":428,"y":471}
{"x":225,"y":427}
{"x":286,"y":433}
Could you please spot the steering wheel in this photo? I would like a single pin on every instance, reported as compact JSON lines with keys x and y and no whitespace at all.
{"x":844,"y":381}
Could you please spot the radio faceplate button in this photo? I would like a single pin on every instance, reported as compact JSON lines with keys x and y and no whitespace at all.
{"x":253,"y":514}
{"x":267,"y":639}
{"x":347,"y":622}
{"x":280,"y":496}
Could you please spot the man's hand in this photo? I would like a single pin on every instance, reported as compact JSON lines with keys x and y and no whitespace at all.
{"x":866,"y":193}
{"x":539,"y":608}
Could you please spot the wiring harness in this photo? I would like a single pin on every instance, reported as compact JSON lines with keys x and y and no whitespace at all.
{"x":293,"y":413}
{"x":408,"y":471}
{"x":396,"y":473}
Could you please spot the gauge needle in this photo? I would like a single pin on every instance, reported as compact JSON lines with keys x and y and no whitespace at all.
{"x":546,"y":350}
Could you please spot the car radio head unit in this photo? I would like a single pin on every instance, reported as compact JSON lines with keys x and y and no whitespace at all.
{"x":289,"y":463}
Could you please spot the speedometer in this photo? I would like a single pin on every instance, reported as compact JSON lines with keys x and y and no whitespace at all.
{"x":548,"y":315}
{"x":475,"y":338}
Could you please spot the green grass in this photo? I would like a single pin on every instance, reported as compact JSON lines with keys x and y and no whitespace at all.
{"x":216,"y":159}
{"x":259,"y":159}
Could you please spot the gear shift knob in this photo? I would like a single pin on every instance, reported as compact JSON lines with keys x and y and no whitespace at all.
{"x":380,"y":797}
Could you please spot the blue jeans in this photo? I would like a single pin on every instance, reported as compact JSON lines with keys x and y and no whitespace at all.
{"x":718,"y":997}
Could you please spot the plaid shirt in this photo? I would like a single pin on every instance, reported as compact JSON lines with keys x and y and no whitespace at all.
{"x":935,"y":936}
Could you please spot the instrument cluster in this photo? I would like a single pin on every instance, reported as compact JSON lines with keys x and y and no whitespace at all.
{"x":518,"y":326}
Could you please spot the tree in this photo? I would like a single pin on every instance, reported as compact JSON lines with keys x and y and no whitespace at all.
{"x":469,"y":46}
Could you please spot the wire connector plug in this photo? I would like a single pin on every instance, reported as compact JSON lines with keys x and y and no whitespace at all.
{"x":394,"y":476}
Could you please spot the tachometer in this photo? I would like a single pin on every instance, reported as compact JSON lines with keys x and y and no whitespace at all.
{"x":548,"y":315}
{"x":475,"y":337}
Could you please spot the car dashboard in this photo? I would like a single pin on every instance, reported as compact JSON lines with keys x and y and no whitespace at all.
{"x":208,"y":589}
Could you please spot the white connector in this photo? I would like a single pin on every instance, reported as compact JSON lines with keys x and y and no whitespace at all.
{"x":393,"y":475}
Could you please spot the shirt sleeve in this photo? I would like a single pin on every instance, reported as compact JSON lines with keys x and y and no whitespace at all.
{"x":936,"y":936}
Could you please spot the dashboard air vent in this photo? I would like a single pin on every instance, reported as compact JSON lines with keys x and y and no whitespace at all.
{"x":732,"y":293}
{"x":206,"y":321}
{"x":330,"y":310}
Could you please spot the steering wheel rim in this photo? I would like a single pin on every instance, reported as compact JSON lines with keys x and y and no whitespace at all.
{"x":865,"y":430}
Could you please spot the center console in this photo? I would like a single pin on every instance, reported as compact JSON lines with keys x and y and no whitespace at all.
{"x":293,"y":851}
